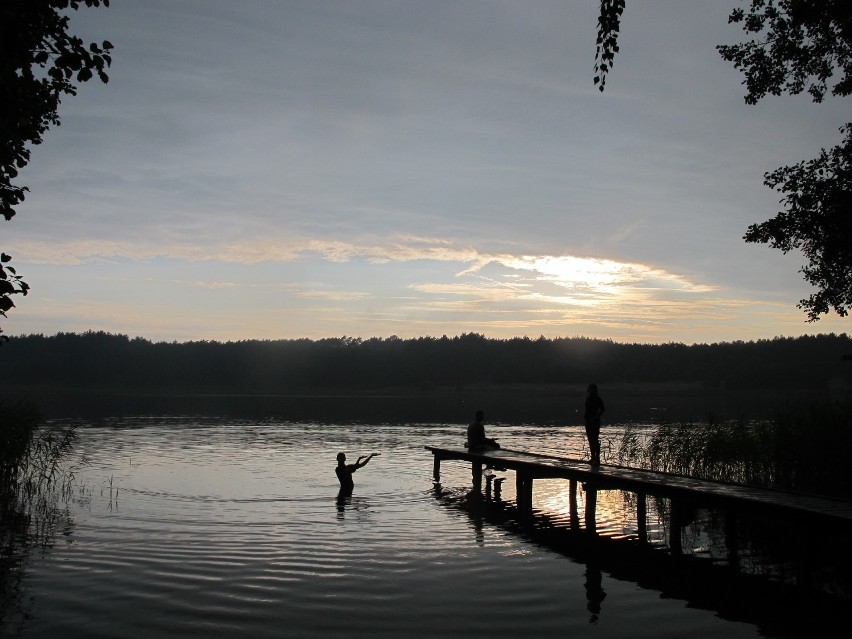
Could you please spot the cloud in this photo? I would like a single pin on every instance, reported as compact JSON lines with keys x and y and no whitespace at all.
{"x":334,"y":296}
{"x":215,"y":285}
{"x":567,"y":279}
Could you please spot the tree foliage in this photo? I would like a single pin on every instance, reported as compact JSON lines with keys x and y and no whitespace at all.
{"x":818,"y":221}
{"x":609,"y":23}
{"x":40,"y":62}
{"x":10,"y":284}
{"x":103,"y":361}
{"x":802,"y":45}
{"x":798,"y":45}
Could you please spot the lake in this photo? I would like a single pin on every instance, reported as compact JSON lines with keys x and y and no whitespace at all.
{"x":220,"y":527}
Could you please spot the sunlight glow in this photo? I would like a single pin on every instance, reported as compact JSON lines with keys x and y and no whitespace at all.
{"x":402,"y":285}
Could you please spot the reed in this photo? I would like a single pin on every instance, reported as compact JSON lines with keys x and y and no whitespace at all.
{"x":32,"y":477}
{"x":805,"y":447}
{"x":32,"y":483}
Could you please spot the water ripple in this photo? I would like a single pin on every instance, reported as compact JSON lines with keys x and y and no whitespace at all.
{"x":189,"y":527}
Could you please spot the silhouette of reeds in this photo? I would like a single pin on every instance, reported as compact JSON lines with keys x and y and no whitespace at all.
{"x":32,"y":482}
{"x":805,"y":447}
{"x":32,"y":478}
{"x":30,"y":458}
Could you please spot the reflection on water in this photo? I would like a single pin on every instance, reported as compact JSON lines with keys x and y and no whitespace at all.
{"x":514,"y":405}
{"x":211,"y":527}
{"x":594,"y":589}
{"x":776,"y":608}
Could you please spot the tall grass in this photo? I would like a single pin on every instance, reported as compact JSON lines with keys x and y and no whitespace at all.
{"x":805,"y":447}
{"x":30,"y":458}
{"x":32,"y":478}
{"x":32,"y":483}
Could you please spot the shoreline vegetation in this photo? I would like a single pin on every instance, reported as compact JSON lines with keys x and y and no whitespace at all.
{"x":34,"y":482}
{"x":516,"y":381}
{"x":805,"y":447}
{"x":426,"y":364}
{"x":32,"y":475}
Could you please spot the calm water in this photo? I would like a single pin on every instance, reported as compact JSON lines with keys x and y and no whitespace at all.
{"x":214,"y":528}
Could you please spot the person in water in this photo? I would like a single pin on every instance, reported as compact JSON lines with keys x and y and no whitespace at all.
{"x":592,"y":416}
{"x":344,"y":471}
{"x":476,"y":434}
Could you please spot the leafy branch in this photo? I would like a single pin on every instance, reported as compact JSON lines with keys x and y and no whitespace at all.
{"x":817,"y":221}
{"x":40,"y":62}
{"x":609,"y":22}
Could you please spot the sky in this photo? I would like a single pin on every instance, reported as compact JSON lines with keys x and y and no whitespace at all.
{"x":276,"y":169}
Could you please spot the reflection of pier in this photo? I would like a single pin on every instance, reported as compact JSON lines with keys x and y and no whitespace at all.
{"x":779,"y":610}
{"x":802,"y":511}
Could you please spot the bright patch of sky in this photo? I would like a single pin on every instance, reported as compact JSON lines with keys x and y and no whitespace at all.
{"x":281,"y":169}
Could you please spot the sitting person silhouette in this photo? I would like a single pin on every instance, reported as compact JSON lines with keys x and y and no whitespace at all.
{"x":344,"y":471}
{"x":476,"y":434}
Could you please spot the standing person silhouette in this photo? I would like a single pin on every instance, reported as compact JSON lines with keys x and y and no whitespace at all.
{"x":592,"y":416}
{"x":344,"y":471}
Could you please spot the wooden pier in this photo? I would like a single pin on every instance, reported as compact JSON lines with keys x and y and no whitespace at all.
{"x":685,"y":494}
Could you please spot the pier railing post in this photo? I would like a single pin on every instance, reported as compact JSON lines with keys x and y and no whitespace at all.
{"x":476,"y":472}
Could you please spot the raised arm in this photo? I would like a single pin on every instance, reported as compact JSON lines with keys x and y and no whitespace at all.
{"x":363,"y":459}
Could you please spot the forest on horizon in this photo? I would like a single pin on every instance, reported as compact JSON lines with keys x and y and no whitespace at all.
{"x":105,"y":361}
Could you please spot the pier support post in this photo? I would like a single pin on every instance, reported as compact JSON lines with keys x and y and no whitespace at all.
{"x":476,"y":472}
{"x":519,"y":490}
{"x":498,"y":488}
{"x":436,"y":468}
{"x":804,"y":555}
{"x":732,"y":540}
{"x":642,"y":518}
{"x":676,"y":528}
{"x":591,"y":509}
{"x":528,"y":496}
{"x":523,"y":489}
{"x":573,"y":514}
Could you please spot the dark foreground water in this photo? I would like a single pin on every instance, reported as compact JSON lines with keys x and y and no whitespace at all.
{"x":198,"y":527}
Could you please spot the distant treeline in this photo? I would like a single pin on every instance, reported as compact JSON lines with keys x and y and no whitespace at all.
{"x":106,"y":361}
